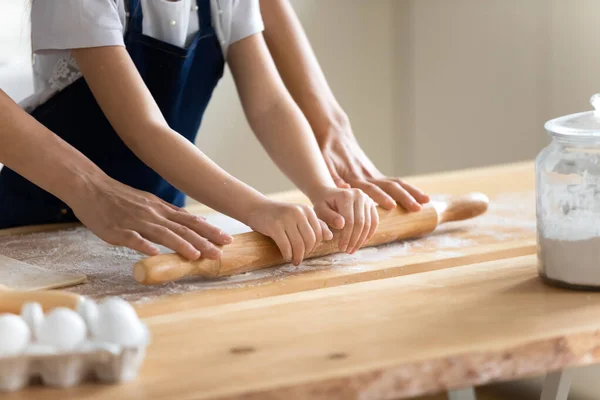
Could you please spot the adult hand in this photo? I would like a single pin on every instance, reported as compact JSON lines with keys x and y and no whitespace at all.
{"x":123,"y":216}
{"x":350,"y":167}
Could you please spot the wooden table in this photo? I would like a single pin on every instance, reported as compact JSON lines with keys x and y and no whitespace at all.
{"x":404,"y":327}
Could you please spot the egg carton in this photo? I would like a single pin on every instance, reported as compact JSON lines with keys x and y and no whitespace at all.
{"x":52,"y":349}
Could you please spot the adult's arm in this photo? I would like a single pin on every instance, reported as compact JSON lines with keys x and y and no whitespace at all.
{"x":115,"y":212}
{"x":298,"y":66}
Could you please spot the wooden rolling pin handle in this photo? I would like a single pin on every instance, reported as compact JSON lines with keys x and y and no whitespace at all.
{"x":251,"y":251}
{"x":170,"y":267}
{"x":12,"y":301}
{"x":462,"y":208}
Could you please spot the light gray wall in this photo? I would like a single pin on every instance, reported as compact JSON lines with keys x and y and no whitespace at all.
{"x":480,"y":81}
{"x":486,"y":75}
{"x":574,"y":59}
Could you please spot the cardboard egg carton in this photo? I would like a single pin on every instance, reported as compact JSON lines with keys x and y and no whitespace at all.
{"x":92,"y":360}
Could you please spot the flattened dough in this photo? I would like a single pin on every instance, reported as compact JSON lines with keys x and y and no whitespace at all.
{"x":17,"y":275}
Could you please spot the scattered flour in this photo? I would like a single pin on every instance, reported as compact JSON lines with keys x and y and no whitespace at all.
{"x":109,"y":268}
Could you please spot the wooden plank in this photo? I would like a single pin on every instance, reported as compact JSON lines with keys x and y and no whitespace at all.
{"x":390,"y":338}
{"x":396,"y":266}
{"x":507,"y":230}
{"x":491,"y":180}
{"x":253,"y":251}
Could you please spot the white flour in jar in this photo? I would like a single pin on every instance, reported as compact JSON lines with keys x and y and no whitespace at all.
{"x":576,"y":262}
{"x":569,"y":224}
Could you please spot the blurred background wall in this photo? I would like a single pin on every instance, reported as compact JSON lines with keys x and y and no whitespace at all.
{"x":15,"y":49}
{"x":430,"y":85}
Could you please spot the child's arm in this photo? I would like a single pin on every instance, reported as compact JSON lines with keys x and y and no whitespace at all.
{"x":133,"y":113}
{"x":286,"y":135}
{"x":300,"y":70}
{"x":115,"y":212}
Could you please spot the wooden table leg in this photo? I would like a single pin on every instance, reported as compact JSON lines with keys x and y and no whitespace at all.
{"x":557,"y":385}
{"x":462,"y":394}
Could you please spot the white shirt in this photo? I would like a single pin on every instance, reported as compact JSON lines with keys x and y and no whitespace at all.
{"x":57,"y":26}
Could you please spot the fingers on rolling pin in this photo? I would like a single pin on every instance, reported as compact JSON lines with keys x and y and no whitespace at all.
{"x":462,"y":208}
{"x":252,"y":251}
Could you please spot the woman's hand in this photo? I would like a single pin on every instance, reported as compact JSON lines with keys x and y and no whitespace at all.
{"x":115,"y":212}
{"x":123,"y":216}
{"x":350,"y":210}
{"x":349,"y":167}
{"x":294,"y":228}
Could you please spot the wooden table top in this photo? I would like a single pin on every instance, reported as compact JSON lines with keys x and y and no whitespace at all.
{"x":397,"y":329}
{"x":487,"y":238}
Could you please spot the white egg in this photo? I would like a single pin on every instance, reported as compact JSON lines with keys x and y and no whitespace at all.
{"x":118,"y":305}
{"x":88,"y":309}
{"x":119,"y":323}
{"x":62,"y":328}
{"x":14,"y":335}
{"x":33,"y":315}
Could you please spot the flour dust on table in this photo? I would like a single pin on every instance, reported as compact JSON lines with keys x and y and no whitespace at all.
{"x":109,"y":268}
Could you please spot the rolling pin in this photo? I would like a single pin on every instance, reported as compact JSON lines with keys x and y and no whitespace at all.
{"x":251,"y":251}
{"x":11,"y":301}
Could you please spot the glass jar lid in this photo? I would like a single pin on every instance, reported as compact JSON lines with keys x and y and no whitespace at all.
{"x":586,"y":124}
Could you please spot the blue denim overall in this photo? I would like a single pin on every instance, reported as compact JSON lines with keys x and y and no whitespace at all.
{"x":180,"y":80}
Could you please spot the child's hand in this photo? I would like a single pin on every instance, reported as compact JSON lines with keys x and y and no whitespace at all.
{"x":351,"y":210}
{"x":295,"y":228}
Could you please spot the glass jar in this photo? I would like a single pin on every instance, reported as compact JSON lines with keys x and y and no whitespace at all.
{"x":568,"y":201}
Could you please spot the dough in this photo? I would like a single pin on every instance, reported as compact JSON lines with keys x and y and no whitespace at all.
{"x":17,"y":275}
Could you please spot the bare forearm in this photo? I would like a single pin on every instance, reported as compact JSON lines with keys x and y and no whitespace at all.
{"x":275,"y":118}
{"x":133,"y":113}
{"x":187,"y":168}
{"x":298,"y":66}
{"x":286,"y":136}
{"x":115,"y":212}
{"x":31,"y":150}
